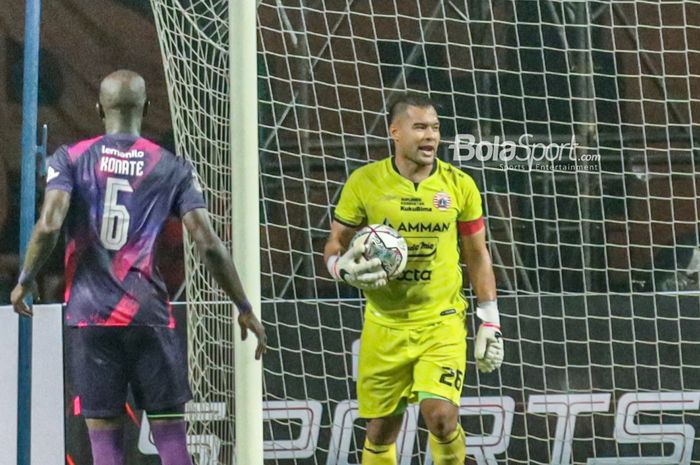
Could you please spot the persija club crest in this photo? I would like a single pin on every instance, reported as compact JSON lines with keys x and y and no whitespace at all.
{"x":442,"y":201}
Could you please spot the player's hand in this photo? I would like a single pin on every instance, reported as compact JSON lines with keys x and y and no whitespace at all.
{"x":248,"y":321}
{"x":19,"y":293}
{"x":353,"y":268}
{"x":488,"y":349}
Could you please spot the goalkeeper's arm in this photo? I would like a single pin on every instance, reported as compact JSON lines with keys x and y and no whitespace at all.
{"x":488,"y":350}
{"x":350,"y":265}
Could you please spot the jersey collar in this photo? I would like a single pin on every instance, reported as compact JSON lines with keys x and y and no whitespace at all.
{"x":415,"y":184}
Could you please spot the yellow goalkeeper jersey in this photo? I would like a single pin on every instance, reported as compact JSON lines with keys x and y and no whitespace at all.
{"x":426,"y":215}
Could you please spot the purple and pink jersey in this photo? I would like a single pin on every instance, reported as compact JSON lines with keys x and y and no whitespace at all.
{"x":123,"y":189}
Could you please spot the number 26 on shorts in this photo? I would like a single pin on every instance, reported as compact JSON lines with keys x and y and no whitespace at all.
{"x":452,"y":377}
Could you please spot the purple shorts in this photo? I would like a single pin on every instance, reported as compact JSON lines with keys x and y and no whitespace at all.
{"x":105,"y":361}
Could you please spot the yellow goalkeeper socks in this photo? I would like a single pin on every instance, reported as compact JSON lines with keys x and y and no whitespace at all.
{"x":373,"y":454}
{"x":451,"y":451}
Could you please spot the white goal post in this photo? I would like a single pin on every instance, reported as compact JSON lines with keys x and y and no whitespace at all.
{"x":245,"y":224}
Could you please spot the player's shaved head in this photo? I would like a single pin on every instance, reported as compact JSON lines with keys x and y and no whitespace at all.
{"x":123,"y":90}
{"x":123,"y":102}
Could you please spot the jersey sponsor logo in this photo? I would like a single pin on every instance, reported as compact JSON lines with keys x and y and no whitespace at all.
{"x":450,"y":311}
{"x":413,"y":204}
{"x":133,"y":153}
{"x":422,"y":248}
{"x":442,"y":201}
{"x":423,"y":227}
{"x":416,"y":275}
{"x":51,"y":174}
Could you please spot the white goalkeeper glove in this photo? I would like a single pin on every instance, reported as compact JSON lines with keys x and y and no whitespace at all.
{"x":353,"y":268}
{"x":488,"y":349}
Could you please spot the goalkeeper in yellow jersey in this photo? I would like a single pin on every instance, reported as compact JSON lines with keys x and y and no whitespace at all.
{"x":413,"y":346}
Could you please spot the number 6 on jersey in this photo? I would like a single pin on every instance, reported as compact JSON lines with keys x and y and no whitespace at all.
{"x":115,"y":217}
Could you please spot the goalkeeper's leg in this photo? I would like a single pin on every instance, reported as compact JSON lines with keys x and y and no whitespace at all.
{"x":380,"y":443}
{"x":446,"y":435}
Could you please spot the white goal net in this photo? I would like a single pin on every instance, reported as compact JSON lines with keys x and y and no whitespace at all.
{"x":579,"y":121}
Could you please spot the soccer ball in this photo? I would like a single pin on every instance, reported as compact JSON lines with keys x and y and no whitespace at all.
{"x":383,"y":242}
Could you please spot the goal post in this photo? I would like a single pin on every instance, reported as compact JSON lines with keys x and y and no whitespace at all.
{"x":245,"y":221}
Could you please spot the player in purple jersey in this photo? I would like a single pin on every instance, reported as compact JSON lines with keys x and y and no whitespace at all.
{"x":113,"y":194}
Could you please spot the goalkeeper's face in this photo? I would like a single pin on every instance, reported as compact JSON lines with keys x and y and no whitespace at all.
{"x":416,"y":134}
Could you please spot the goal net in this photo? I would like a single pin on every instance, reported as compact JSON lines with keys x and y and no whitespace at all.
{"x":579,"y":122}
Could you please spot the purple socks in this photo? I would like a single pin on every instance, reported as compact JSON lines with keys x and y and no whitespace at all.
{"x":107,"y":446}
{"x":171,"y":441}
{"x":170,"y":438}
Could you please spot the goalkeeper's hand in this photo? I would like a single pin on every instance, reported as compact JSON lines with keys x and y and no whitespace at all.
{"x":488,"y":349}
{"x":353,"y":268}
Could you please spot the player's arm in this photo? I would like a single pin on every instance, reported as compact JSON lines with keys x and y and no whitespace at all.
{"x":350,"y":265}
{"x":338,"y":239}
{"x":488,"y":350}
{"x":479,"y":267}
{"x":43,"y":240}
{"x":220,"y":264}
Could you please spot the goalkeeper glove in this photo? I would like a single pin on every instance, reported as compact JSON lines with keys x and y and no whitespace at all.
{"x":353,"y":268}
{"x":488,"y":350}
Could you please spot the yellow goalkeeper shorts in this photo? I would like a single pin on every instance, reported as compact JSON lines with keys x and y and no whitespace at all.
{"x":396,"y":364}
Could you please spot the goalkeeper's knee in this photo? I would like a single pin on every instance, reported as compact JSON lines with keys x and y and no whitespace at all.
{"x":450,"y":451}
{"x":373,"y":454}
